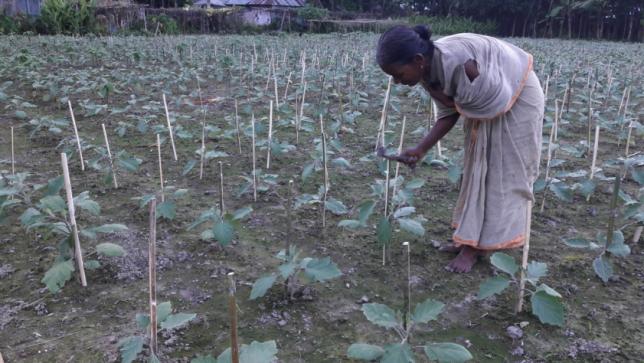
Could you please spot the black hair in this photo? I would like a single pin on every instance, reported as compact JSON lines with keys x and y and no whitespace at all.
{"x":400,"y":44}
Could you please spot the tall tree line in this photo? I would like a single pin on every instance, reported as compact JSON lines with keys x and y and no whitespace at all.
{"x":587,"y":19}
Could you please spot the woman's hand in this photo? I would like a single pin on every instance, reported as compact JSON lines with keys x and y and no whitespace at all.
{"x":411,"y":156}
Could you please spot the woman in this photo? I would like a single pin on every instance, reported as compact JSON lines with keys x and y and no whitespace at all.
{"x":490,"y":83}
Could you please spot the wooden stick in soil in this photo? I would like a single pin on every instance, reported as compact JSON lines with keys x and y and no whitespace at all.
{"x":167,"y":117}
{"x":326,"y":178}
{"x":380,"y":140}
{"x":232,"y":312}
{"x":237,"y":127}
{"x":400,"y":146}
{"x":407,"y":250}
{"x":613,"y":210}
{"x":302,"y":105}
{"x":384,"y":245}
{"x":203,"y":131}
{"x":109,"y":156}
{"x":277,"y":100}
{"x":221,"y":189}
{"x":549,"y":156}
{"x":270,"y":135}
{"x":13,"y":159}
{"x":152,"y":274}
{"x":288,"y":82}
{"x":435,"y":115}
{"x":297,"y":120}
{"x":595,"y":146}
{"x":80,"y":149}
{"x":524,"y":260}
{"x":72,"y":219}
{"x":637,"y":234}
{"x":160,"y":167}
{"x":252,"y":122}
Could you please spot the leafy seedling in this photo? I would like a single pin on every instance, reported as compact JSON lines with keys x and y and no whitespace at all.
{"x":220,"y":228}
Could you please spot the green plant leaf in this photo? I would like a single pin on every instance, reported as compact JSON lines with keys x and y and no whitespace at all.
{"x":548,"y":290}
{"x":380,"y":314}
{"x":56,"y":277}
{"x":504,"y":262}
{"x":587,"y":187}
{"x":336,"y":207}
{"x":322,"y":269}
{"x":92,"y":264}
{"x":536,"y":270}
{"x":603,"y":267}
{"x":128,"y":163}
{"x":257,"y":352}
{"x":153,"y":359}
{"x":54,"y":185}
{"x":30,"y":216}
{"x":341,"y":162}
{"x":110,"y":249}
{"x":287,"y":269}
{"x":186,"y":169}
{"x":142,"y":321}
{"x":447,"y":353}
{"x":412,"y":226}
{"x":384,"y":231}
{"x":261,"y":286}
{"x":454,"y":173}
{"x":204,"y":359}
{"x":404,"y":212}
{"x":397,"y":353}
{"x":366,"y":352}
{"x":54,"y":203}
{"x":547,"y":308}
{"x":164,"y":310}
{"x":176,"y":320}
{"x":562,"y":191}
{"x":619,"y":249}
{"x":493,"y":285}
{"x":242,"y":213}
{"x":365,"y":209}
{"x":427,"y":311}
{"x":84,"y":202}
{"x":577,"y":242}
{"x":415,"y":183}
{"x":166,"y":210}
{"x":223,"y":232}
{"x":350,"y":223}
{"x":130,"y":348}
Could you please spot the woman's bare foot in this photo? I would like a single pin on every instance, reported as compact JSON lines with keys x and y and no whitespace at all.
{"x":450,"y":248}
{"x":464,"y":261}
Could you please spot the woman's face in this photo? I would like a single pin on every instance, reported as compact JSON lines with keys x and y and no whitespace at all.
{"x":408,"y":74}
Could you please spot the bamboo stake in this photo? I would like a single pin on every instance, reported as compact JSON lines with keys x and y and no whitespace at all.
{"x":160,"y":167}
{"x":288,"y":82}
{"x":221,"y":189}
{"x":277,"y":100}
{"x":438,"y":144}
{"x":628,"y":137}
{"x":400,"y":146}
{"x":270,"y":135}
{"x":13,"y":159}
{"x":621,"y":103}
{"x":80,"y":150}
{"x":592,"y":167}
{"x":407,"y":249}
{"x":302,"y":102}
{"x":232,"y":312}
{"x":268,"y":77}
{"x":303,"y":68}
{"x":289,"y":212}
{"x":383,"y":117}
{"x":252,"y":121}
{"x":297,"y":120}
{"x":109,"y":155}
{"x":167,"y":117}
{"x":637,"y":234}
{"x":152,"y":274}
{"x":524,"y":260}
{"x":543,"y":202}
{"x":237,"y":126}
{"x":384,"y":245}
{"x":203,"y":131}
{"x":590,"y":114}
{"x":72,"y":219}
{"x":326,"y":178}
{"x":545,"y":92}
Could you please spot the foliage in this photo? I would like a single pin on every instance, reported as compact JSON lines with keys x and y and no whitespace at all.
{"x":68,"y":17}
{"x":454,"y":25}
{"x":546,"y":302}
{"x":255,"y":352}
{"x":310,"y":12}
{"x":293,"y":269}
{"x":384,"y":316}
{"x":221,"y":227}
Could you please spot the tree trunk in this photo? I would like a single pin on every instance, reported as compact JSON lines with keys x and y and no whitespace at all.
{"x":514,"y":25}
{"x":569,"y":21}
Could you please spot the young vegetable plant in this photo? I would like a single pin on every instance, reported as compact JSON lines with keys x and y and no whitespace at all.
{"x":384,"y":316}
{"x":222,"y":227}
{"x":264,"y":182}
{"x":168,"y":208}
{"x":255,"y":352}
{"x":546,"y":303}
{"x":131,"y":347}
{"x":294,"y":269}
{"x":121,"y":159}
{"x":331,"y":204}
{"x":49,"y":216}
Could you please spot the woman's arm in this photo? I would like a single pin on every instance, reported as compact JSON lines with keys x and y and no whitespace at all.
{"x":442,"y":127}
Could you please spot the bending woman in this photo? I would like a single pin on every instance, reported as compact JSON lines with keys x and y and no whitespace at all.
{"x":491,"y":84}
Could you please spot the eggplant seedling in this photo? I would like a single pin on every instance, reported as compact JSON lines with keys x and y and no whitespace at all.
{"x":221,"y":227}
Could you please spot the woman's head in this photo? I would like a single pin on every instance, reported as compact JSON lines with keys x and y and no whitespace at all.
{"x":403,"y":52}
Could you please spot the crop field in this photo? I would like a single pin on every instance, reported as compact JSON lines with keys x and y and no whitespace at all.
{"x":244,"y":168}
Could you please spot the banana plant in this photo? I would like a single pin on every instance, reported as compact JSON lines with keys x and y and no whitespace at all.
{"x":293,"y":269}
{"x":403,"y":352}
{"x":130,"y":347}
{"x":546,"y":303}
